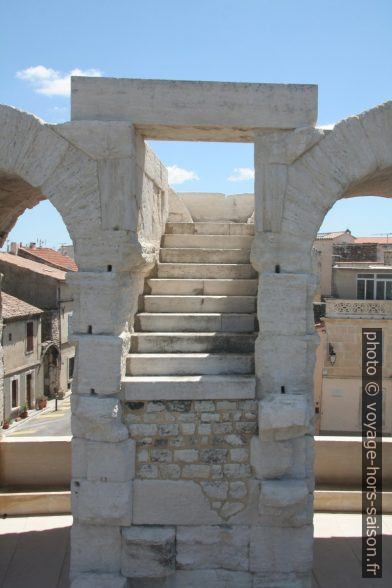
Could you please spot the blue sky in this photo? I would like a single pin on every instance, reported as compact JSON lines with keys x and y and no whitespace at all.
{"x":343,"y":46}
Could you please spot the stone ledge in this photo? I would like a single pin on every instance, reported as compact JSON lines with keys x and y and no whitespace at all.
{"x":143,"y":388}
{"x":99,"y":581}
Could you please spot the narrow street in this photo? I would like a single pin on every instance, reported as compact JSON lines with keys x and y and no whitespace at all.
{"x":45,"y":423}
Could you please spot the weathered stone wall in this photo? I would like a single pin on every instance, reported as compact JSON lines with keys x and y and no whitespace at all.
{"x":205,"y":441}
{"x":147,"y":529}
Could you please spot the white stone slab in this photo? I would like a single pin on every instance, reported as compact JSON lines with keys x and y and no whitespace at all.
{"x":141,"y":388}
{"x":148,"y":551}
{"x":102,"y":503}
{"x":167,"y":502}
{"x":213,"y":546}
{"x":281,"y":549}
{"x":95,"y":548}
{"x":158,"y":107}
{"x":99,"y":581}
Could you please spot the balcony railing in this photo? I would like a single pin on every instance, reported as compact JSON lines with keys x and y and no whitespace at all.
{"x":373,"y":309}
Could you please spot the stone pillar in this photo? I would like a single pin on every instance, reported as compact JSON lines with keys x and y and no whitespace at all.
{"x":103,"y":455}
{"x":282,"y":453}
{"x":111,"y":262}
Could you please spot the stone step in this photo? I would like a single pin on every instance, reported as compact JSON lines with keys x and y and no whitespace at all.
{"x":192,"y":304}
{"x":192,"y":342}
{"x":204,"y":255}
{"x":198,"y":322}
{"x":144,"y":388}
{"x":188,"y":364}
{"x":209,"y":229}
{"x":206,"y":270}
{"x":208,"y":241}
{"x":200,"y":287}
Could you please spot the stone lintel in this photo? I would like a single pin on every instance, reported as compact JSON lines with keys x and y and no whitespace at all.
{"x":195,"y":110}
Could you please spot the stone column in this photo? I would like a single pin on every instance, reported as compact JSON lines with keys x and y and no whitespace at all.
{"x":103,"y":455}
{"x":282,"y":454}
{"x":111,"y":264}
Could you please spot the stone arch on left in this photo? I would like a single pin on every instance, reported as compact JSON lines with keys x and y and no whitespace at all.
{"x":82,"y":169}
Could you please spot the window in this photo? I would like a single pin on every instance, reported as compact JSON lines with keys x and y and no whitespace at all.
{"x":374,"y":287}
{"x":14,"y":393}
{"x":29,"y":336}
{"x":29,"y":390}
{"x":9,"y":336}
{"x":71,"y":365}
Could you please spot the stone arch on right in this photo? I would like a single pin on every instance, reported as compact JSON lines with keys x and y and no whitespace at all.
{"x":299,"y":175}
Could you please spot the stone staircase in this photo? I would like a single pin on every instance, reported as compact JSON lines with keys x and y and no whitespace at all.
{"x":195,"y":336}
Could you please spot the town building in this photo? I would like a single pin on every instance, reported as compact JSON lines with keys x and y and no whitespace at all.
{"x":360,"y":296}
{"x":44,"y":286}
{"x":45,"y":255}
{"x":21,"y":342}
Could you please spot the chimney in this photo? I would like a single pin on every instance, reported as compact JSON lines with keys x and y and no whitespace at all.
{"x":14,"y":248}
{"x":32,"y":245}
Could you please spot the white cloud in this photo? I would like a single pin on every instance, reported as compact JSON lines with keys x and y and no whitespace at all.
{"x":51,"y":82}
{"x":178,"y":175}
{"x":242,"y":173}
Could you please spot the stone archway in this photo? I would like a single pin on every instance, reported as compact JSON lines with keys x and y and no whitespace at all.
{"x":94,"y":173}
{"x":37,"y":163}
{"x":352,"y":159}
{"x":303,"y":174}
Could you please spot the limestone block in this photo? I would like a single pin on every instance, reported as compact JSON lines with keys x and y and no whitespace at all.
{"x":169,"y":502}
{"x":282,"y":493}
{"x":99,"y":581}
{"x":102,"y":503}
{"x":270,"y":188}
{"x":277,"y":580}
{"x":283,"y":416}
{"x":79,"y":457}
{"x":114,"y":462}
{"x":285,"y":362}
{"x":209,"y":547}
{"x":148,"y":551}
{"x":150,"y":164}
{"x":96,"y":249}
{"x":285,"y":147}
{"x":280,"y":550}
{"x":377,"y":124}
{"x":304,"y":187}
{"x":345,"y":153}
{"x":218,"y":207}
{"x":40,"y":155}
{"x":97,"y":419}
{"x":283,"y":302}
{"x":117,"y":187}
{"x":101,"y":362}
{"x":196,"y":579}
{"x":274,"y":459}
{"x":163,"y":105}
{"x":74,"y":190}
{"x":178,"y":212}
{"x":270,"y":459}
{"x":104,"y":300}
{"x":95,"y":549}
{"x":212,"y":579}
{"x":303,"y":215}
{"x":100,"y":140}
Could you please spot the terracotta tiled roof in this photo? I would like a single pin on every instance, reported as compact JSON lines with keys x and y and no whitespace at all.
{"x":52,"y":257}
{"x":380,"y":240}
{"x":13,"y":307}
{"x":33,"y":266}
